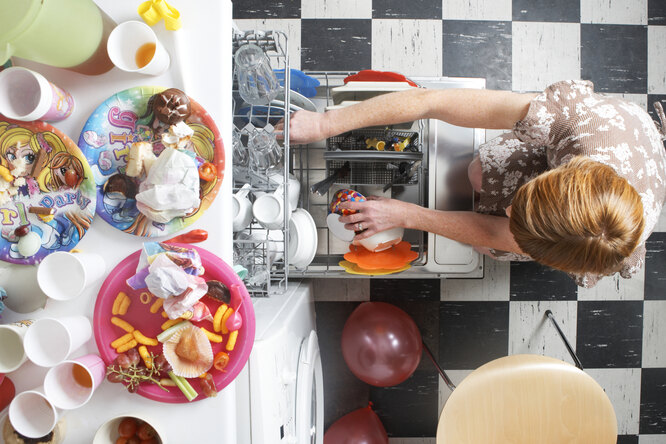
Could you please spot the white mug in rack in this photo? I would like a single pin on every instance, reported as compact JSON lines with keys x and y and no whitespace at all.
{"x":242,"y":208}
{"x":268,"y":209}
{"x":294,"y":188}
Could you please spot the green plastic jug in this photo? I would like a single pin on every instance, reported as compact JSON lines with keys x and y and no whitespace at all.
{"x":69,"y":34}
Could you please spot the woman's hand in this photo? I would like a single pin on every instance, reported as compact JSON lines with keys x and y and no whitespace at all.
{"x":305,"y":127}
{"x":374,"y":215}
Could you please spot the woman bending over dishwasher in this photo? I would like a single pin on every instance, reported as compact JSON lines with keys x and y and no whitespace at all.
{"x":577,"y":185}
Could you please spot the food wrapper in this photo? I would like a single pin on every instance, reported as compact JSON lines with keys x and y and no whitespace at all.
{"x":171,"y":188}
{"x":186,"y":258}
{"x":173,"y":274}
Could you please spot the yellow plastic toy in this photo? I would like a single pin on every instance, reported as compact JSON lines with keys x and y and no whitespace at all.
{"x":375,"y":143}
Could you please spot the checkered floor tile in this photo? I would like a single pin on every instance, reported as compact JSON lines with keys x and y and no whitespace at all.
{"x":617,"y":327}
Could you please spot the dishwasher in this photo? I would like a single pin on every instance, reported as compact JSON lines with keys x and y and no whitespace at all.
{"x":438,"y":156}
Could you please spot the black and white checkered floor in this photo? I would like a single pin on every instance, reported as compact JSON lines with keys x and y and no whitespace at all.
{"x":522,"y":45}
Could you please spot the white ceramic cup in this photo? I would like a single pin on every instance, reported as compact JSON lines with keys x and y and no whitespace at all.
{"x":27,"y":95}
{"x":383,"y":240}
{"x":269,"y":209}
{"x":12,"y":353}
{"x":50,"y":341}
{"x":242,"y":208}
{"x":71,"y":384}
{"x":32,"y":414}
{"x":64,"y":276}
{"x":293,"y":188}
{"x":126,"y":39}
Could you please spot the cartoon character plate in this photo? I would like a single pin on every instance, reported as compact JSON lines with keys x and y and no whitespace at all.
{"x":46,"y":189}
{"x":140,"y":317}
{"x":106,"y":139}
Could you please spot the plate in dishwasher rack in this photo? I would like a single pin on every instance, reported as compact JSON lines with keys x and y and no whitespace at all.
{"x":302,"y":239}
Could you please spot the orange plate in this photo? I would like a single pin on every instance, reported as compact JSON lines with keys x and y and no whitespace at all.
{"x":355,"y":269}
{"x":392,"y":259}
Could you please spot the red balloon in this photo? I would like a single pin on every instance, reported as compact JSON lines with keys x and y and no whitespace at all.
{"x":361,"y":426}
{"x":381,"y":344}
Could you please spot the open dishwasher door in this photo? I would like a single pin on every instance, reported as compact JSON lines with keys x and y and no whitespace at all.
{"x":441,"y":182}
{"x":450,"y":150}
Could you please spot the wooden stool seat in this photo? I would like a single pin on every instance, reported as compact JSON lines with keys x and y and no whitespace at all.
{"x":527,"y":399}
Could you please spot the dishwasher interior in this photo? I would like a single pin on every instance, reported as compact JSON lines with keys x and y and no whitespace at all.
{"x":436,"y":163}
{"x":425,"y":163}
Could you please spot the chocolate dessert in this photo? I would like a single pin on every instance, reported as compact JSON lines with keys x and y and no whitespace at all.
{"x":121,"y":184}
{"x":171,"y":106}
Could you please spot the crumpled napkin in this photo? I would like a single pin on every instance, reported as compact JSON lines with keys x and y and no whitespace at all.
{"x":171,"y":188}
{"x":173,"y":274}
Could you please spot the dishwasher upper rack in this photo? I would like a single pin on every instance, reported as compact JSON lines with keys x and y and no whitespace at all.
{"x":311,"y":163}
{"x":265,"y":258}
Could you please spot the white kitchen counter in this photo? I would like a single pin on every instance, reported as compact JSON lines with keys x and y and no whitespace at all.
{"x":200,"y":65}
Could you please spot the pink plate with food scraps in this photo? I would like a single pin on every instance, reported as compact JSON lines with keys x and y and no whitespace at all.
{"x":140,"y":317}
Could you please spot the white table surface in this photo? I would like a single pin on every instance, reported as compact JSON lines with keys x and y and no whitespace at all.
{"x":200,"y":65}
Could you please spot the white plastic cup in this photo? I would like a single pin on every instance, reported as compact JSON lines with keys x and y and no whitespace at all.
{"x":242,"y":209}
{"x":127,"y":39}
{"x":71,"y":384}
{"x":32,"y":414}
{"x":50,"y":341}
{"x":63,"y":276}
{"x":26,"y":95}
{"x":12,"y":352}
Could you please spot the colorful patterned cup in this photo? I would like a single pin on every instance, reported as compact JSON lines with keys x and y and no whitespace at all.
{"x":26,"y":95}
{"x":344,"y":195}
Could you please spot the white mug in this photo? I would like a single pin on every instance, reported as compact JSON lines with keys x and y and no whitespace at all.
{"x":294,"y":188}
{"x":268,"y":209}
{"x":242,"y":208}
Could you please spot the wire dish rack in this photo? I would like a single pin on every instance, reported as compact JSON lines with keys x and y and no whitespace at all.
{"x":264,"y":253}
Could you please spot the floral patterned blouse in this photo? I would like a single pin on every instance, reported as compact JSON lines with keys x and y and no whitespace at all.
{"x":566,"y":120}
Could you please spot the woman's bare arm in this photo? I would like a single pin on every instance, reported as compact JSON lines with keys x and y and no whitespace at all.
{"x":471,"y":108}
{"x":479,"y":230}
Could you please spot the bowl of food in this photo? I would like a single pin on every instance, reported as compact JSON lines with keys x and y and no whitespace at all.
{"x":128,"y":429}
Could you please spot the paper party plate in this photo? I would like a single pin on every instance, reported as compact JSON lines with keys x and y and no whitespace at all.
{"x":124,"y":118}
{"x":140,"y":317}
{"x":46,"y":170}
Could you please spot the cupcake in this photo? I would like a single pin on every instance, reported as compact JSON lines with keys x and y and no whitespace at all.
{"x":189,"y":352}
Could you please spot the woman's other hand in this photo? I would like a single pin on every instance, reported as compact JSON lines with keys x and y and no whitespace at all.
{"x":374,"y":215}
{"x":305,"y":127}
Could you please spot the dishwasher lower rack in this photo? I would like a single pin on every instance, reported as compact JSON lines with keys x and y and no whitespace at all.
{"x":370,"y":170}
{"x":262,"y":252}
